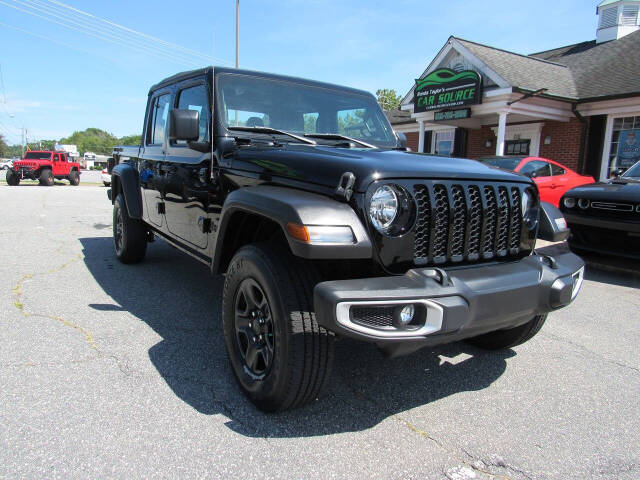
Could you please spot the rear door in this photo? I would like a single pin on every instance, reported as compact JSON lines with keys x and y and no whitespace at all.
{"x":58,"y":168}
{"x":187,"y":171}
{"x":561,"y":182}
{"x":152,"y":155}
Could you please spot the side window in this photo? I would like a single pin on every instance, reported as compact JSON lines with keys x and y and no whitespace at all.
{"x":557,"y":170}
{"x":311,"y":122}
{"x":57,"y":157}
{"x":196,"y":98}
{"x":536,"y":168}
{"x":158,"y":123}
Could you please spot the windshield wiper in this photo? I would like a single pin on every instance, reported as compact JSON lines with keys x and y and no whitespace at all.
{"x":272,"y":130}
{"x":336,"y":136}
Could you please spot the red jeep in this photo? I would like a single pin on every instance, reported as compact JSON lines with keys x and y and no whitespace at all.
{"x":44,"y":166}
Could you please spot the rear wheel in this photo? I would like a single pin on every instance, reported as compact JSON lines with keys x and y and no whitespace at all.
{"x":46,"y":177}
{"x":129,"y":234}
{"x":12,"y":178}
{"x":511,"y":337}
{"x":74,"y":178}
{"x":280,"y":356}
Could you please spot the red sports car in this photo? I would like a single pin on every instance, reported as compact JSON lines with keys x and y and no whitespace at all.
{"x":552,"y":178}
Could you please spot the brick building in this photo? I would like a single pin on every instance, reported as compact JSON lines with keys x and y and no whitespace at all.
{"x":571,"y":104}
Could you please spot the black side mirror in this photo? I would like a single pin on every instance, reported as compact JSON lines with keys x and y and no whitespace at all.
{"x":402,"y":140}
{"x":617,"y":172}
{"x":184,"y":125}
{"x":553,"y":226}
{"x":111,"y":162}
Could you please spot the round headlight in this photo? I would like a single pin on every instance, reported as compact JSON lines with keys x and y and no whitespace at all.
{"x":569,"y":202}
{"x":583,"y":203}
{"x":530,"y":209}
{"x":638,"y":208}
{"x":383,"y":208}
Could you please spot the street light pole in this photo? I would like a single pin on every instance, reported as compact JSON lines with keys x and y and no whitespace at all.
{"x":237,"y":32}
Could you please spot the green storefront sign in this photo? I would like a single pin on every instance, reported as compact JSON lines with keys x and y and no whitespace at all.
{"x":444,"y":88}
{"x":452,"y":115}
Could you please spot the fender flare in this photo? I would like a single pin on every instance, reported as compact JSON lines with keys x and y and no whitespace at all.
{"x":284,"y":205}
{"x":125,"y":179}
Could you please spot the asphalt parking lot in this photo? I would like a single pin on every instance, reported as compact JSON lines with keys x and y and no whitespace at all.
{"x":117,"y":371}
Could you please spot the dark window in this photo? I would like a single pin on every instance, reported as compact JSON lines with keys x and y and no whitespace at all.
{"x":557,"y":170}
{"x":37,"y":156}
{"x":159,"y":116}
{"x":500,"y":162}
{"x":196,"y":98}
{"x":517,"y":147}
{"x":536,"y":168}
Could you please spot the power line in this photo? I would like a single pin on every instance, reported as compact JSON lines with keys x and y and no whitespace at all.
{"x":89,"y":28}
{"x":135,"y":32}
{"x":122,"y":44}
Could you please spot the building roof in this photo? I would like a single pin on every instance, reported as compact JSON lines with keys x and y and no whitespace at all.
{"x":604,"y":3}
{"x":398,"y":117}
{"x":525,"y":72}
{"x":601,"y":69}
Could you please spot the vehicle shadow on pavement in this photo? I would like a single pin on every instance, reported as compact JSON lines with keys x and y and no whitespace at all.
{"x":181,"y":302}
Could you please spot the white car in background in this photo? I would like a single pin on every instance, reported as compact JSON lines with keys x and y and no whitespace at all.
{"x":6,"y":165}
{"x":106,"y":177}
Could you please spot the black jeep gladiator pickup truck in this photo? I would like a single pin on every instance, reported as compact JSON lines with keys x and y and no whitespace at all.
{"x":326,"y":226}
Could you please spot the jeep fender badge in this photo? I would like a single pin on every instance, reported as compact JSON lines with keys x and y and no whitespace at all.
{"x":345,"y":186}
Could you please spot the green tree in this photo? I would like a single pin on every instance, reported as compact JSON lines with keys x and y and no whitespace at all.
{"x":92,"y":140}
{"x":14,"y":151}
{"x":130,"y":140}
{"x":4,"y":148}
{"x":388,"y":99}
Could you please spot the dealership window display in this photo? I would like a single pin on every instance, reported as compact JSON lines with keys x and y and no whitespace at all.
{"x":625,"y":143}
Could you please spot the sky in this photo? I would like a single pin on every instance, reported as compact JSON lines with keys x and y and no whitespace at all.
{"x":73,"y":64}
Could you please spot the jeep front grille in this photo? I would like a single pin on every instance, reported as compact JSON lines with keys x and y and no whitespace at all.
{"x":459,"y":221}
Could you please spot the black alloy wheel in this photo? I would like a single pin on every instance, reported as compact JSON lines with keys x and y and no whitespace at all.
{"x":254,"y":328}
{"x":118,"y":227}
{"x":129,"y":234}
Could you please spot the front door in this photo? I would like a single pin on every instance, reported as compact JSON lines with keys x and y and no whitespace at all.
{"x":152,"y":156}
{"x":187,"y":172}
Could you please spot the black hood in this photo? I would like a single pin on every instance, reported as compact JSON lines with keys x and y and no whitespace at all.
{"x":324,"y":165}
{"x":619,"y":189}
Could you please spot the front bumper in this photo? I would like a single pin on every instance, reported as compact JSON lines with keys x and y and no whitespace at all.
{"x":26,"y":173}
{"x":612,"y":237}
{"x":458,"y":304}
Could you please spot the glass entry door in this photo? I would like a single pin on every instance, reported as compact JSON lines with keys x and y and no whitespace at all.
{"x":443,"y":142}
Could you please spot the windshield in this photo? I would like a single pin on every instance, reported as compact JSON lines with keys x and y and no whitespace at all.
{"x":504,"y":163}
{"x":299,"y":108}
{"x":633,"y":172}
{"x":37,"y":156}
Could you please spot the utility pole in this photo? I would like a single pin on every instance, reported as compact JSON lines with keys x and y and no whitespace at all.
{"x":237,"y":33}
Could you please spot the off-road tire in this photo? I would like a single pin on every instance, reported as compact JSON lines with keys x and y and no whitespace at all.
{"x":46,"y":177}
{"x":509,"y":338}
{"x":12,"y":178}
{"x":129,"y":234}
{"x":74,"y":178}
{"x":303,"y":351}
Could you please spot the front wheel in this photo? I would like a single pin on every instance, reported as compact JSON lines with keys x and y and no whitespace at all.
{"x":46,"y":177}
{"x":511,"y":337}
{"x":107,"y":184}
{"x":74,"y":178}
{"x":12,"y":178}
{"x":279,"y":354}
{"x":129,"y":234}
